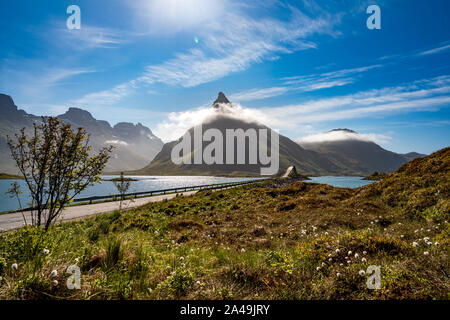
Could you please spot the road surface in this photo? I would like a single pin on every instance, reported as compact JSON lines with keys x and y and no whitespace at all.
{"x":11,"y":221}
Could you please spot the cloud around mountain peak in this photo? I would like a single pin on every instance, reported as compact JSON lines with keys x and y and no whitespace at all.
{"x":342,"y":135}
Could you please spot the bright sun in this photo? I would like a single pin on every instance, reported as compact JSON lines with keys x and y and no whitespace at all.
{"x":180,"y":14}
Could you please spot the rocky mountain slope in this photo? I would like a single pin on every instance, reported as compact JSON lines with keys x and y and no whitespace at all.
{"x":135,"y":144}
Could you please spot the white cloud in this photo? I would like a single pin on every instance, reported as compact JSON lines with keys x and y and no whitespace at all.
{"x":304,"y":83}
{"x":425,"y":95}
{"x":343,"y":135}
{"x":90,"y":37}
{"x":107,"y":97}
{"x":258,"y":94}
{"x":227,"y":45}
{"x":119,"y":142}
{"x":435,"y":50}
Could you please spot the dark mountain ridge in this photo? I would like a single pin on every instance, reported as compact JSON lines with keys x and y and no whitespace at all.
{"x":134,"y":144}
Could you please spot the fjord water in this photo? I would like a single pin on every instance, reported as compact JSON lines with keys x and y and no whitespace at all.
{"x":149,"y":183}
{"x":341,"y":182}
{"x":144,"y":183}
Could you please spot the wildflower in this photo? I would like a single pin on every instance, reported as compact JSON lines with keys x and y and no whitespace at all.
{"x":183,"y":265}
{"x":182,"y":258}
{"x":348,"y":262}
{"x":364,"y":252}
{"x":14,"y":266}
{"x":54,"y":273}
{"x":361,"y":272}
{"x":338,"y":274}
{"x":331,"y":259}
{"x":337,"y":250}
{"x":415,"y":244}
{"x":426,"y":239}
{"x":192,"y":250}
{"x":363,"y":259}
{"x":356,"y":255}
{"x":46,"y":251}
{"x":329,"y":255}
{"x":242,"y":250}
{"x":173,"y":241}
{"x":55,"y":282}
{"x":318,"y":268}
{"x":341,"y":264}
{"x":326,"y":233}
{"x":323,"y":264}
{"x":426,"y":253}
{"x":349,"y":253}
{"x":77,"y":259}
{"x":402,"y":236}
{"x":198,"y":283}
{"x":436,"y":243}
{"x":174,"y":273}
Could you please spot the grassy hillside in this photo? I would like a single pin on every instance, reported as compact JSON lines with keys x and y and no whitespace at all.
{"x":4,"y":176}
{"x":278,"y":240}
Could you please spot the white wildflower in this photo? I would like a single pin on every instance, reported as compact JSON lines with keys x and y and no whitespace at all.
{"x":54,"y":273}
{"x":364,"y":252}
{"x":349,"y":253}
{"x":356,"y":255}
{"x":436,"y":243}
{"x":46,"y":251}
{"x":426,"y":253}
{"x":55,"y":282}
{"x":242,"y":250}
{"x":318,"y":268}
{"x":338,"y":274}
{"x":181,"y":258}
{"x":415,"y":244}
{"x":14,"y":266}
{"x":361,"y":272}
{"x":337,"y":250}
{"x":363,"y":259}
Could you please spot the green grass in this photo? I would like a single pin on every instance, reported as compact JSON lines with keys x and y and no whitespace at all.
{"x":273,"y":240}
{"x":6,"y":176}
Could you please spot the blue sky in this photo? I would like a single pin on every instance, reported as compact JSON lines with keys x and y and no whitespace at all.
{"x":301,"y":67}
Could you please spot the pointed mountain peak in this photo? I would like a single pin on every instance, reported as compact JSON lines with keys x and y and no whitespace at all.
{"x":221,"y":99}
{"x":77,"y":115}
{"x":6,"y":102}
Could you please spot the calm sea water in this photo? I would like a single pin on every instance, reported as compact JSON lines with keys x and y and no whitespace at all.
{"x":341,"y":182}
{"x":144,"y":183}
{"x":149,"y":183}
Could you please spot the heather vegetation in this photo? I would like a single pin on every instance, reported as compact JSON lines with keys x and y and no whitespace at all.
{"x":276,"y":240}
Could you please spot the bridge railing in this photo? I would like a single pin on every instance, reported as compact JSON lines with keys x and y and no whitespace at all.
{"x":170,"y":190}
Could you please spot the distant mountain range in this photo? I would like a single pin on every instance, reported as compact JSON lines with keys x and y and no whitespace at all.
{"x":139,"y":151}
{"x":356,"y":156}
{"x":349,"y":157}
{"x":136,"y":145}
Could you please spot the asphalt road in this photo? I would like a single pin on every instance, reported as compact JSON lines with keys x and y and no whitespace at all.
{"x":11,"y":221}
